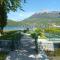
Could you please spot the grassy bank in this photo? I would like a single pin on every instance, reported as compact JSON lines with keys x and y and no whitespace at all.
{"x":3,"y":55}
{"x":11,"y":35}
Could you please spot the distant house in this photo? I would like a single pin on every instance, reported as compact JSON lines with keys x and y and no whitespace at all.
{"x":57,"y":26}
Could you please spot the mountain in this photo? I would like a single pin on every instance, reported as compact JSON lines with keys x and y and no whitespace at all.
{"x":44,"y":19}
{"x":38,"y":19}
{"x":53,"y":14}
{"x":11,"y":23}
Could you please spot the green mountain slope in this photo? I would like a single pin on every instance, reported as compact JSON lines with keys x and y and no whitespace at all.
{"x":38,"y":19}
{"x":42,"y":19}
{"x":12,"y":23}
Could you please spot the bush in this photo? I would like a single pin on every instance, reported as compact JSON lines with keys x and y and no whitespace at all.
{"x":52,"y":30}
{"x":12,"y":35}
{"x":3,"y":55}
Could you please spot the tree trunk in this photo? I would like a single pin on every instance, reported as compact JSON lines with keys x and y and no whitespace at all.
{"x":36,"y":46}
{"x":3,"y":17}
{"x":1,"y":30}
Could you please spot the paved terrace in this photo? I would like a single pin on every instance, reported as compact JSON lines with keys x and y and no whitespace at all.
{"x":26,"y":51}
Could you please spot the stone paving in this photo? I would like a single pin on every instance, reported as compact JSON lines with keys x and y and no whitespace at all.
{"x":26,"y":52}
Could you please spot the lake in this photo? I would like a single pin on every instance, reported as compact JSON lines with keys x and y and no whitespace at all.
{"x":18,"y":27}
{"x":13,"y":28}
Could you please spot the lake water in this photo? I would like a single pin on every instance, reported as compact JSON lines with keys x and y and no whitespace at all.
{"x":18,"y":27}
{"x":13,"y":28}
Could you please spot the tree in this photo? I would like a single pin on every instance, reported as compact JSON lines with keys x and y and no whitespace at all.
{"x":7,"y":6}
{"x":35,"y":36}
{"x":37,"y":32}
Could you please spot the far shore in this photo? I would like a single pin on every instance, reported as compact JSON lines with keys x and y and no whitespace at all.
{"x":9,"y":30}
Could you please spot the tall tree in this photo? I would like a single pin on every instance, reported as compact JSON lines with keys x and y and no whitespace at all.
{"x":34,"y":35}
{"x":7,"y":6}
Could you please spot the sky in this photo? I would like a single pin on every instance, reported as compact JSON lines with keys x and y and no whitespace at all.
{"x":34,"y":6}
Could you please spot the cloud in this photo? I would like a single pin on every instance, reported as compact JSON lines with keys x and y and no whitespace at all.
{"x":45,"y":10}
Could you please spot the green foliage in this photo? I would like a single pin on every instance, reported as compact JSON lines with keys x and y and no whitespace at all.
{"x":26,"y":30}
{"x":40,"y":32}
{"x":3,"y":55}
{"x":52,"y":30}
{"x":12,"y":4}
{"x":7,"y":6}
{"x":12,"y":35}
{"x":37,"y":32}
{"x":3,"y":17}
{"x":34,"y":35}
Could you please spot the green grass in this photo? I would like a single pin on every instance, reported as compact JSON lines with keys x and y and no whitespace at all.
{"x":11,"y":35}
{"x":3,"y":55}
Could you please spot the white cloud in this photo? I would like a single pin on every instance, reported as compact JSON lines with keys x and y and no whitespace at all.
{"x":44,"y":10}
